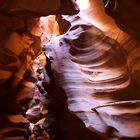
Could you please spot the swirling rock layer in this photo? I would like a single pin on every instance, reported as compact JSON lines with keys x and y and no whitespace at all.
{"x":92,"y":68}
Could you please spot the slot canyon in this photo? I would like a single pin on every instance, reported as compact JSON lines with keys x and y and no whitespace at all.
{"x":69,"y":70}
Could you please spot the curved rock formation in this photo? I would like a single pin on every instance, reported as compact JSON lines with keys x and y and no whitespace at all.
{"x":126,"y":15}
{"x":92,"y":68}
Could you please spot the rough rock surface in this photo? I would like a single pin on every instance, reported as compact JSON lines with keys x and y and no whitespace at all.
{"x":33,"y":8}
{"x":22,"y":35}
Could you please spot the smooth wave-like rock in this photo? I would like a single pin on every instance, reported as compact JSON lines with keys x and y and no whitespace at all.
{"x":93,"y":70}
{"x":99,"y":58}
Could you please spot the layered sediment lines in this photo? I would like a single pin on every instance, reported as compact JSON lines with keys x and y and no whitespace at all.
{"x":92,"y":68}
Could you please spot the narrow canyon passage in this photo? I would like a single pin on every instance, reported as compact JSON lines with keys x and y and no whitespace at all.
{"x":69,"y":70}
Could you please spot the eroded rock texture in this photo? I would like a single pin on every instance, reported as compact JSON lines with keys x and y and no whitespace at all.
{"x":98,"y":75}
{"x":22,"y":35}
{"x":93,"y":70}
{"x":126,"y":14}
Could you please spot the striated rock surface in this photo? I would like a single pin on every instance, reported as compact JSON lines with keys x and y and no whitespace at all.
{"x":94,"y":12}
{"x":93,"y":70}
{"x":100,"y":79}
